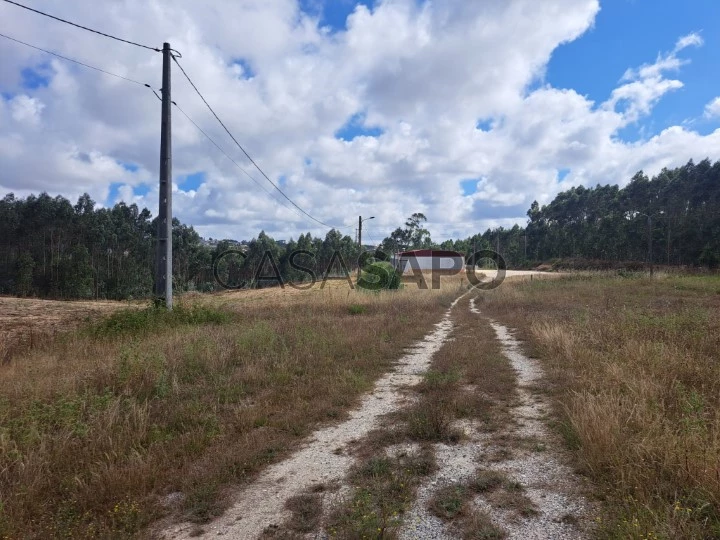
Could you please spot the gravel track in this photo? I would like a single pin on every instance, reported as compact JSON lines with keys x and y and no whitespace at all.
{"x":262,"y":503}
{"x":562,"y":511}
{"x":551,"y":486}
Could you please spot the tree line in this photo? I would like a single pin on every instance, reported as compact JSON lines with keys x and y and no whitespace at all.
{"x":673,"y":217}
{"x":52,"y":248}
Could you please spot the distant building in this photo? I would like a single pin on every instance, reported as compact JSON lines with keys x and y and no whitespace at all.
{"x":429,"y":259}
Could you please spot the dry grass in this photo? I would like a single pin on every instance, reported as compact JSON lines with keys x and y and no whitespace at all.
{"x":104,"y":431}
{"x":634,"y":365}
{"x":383,"y":488}
{"x":29,"y":322}
{"x":454,"y":504}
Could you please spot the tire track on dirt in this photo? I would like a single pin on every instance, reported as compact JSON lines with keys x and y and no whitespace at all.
{"x":322,"y":460}
{"x":561,"y":511}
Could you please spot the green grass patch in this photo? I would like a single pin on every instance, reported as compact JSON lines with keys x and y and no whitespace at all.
{"x":140,"y":322}
{"x":384,"y":488}
{"x":356,"y":309}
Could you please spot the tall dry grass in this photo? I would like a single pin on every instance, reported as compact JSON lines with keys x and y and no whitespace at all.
{"x":636,"y":373}
{"x":104,"y":430}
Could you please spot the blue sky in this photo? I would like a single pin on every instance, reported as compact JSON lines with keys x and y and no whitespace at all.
{"x":333,"y":13}
{"x":464,"y":110}
{"x":631,"y":33}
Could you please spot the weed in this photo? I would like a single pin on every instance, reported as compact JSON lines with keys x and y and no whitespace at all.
{"x":383,"y":490}
{"x":142,"y":322}
{"x":429,"y":422}
{"x":448,"y":502}
{"x":486,"y":480}
{"x":479,"y":526}
{"x":356,"y":309}
{"x":306,"y":512}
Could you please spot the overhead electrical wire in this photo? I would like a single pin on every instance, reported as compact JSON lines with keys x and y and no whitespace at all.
{"x":174,"y":57}
{"x":201,"y":130}
{"x":81,"y":26}
{"x":75,"y":61}
{"x":128,"y":79}
{"x":245,"y":152}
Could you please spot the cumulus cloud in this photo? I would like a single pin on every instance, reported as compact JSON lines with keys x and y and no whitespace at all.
{"x":413,"y":79}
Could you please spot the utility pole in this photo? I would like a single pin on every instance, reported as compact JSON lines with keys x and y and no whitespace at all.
{"x":360,"y":222}
{"x":163,"y":255}
{"x":359,"y":231}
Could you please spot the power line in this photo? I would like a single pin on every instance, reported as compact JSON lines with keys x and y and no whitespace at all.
{"x":244,"y":151}
{"x":83,"y":27}
{"x":156,"y":95}
{"x":68,"y":59}
{"x":201,"y":130}
{"x":75,"y":61}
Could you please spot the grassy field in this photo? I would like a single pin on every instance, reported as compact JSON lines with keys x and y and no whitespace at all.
{"x":139,"y":414}
{"x":146,"y":413}
{"x":27,"y":322}
{"x":634,"y":367}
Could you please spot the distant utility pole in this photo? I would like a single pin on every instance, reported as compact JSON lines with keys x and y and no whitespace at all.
{"x":163,"y":255}
{"x":360,"y":222}
{"x":359,"y":236}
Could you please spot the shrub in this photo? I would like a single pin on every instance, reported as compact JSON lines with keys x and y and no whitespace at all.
{"x":379,"y":275}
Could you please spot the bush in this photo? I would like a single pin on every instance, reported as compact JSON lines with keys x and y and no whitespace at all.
{"x":378,"y":276}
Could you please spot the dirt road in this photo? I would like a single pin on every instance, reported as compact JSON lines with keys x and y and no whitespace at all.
{"x":553,"y":491}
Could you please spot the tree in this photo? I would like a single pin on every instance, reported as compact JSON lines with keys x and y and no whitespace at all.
{"x":413,"y":236}
{"x":419,"y":236}
{"x":25,"y":266}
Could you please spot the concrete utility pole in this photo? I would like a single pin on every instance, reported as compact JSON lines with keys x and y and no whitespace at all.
{"x":163,"y":256}
{"x":359,"y":235}
{"x":360,"y":222}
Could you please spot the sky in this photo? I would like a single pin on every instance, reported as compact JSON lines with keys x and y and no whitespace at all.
{"x":464,"y":111}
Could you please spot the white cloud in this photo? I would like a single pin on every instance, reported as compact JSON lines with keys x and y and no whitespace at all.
{"x":26,"y":110}
{"x":691,"y":40}
{"x":712,"y":109}
{"x":423,"y":72}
